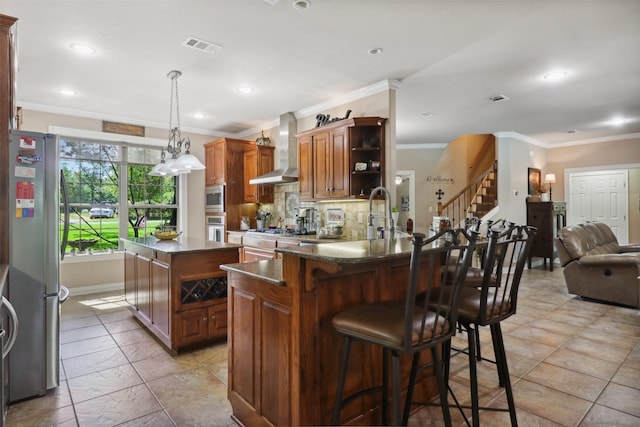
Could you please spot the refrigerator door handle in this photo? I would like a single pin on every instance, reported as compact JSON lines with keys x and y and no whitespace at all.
{"x":13,"y":330}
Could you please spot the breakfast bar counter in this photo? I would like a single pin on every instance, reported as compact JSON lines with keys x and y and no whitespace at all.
{"x":283,"y":350}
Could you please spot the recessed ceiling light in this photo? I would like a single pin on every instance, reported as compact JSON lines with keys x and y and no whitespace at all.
{"x":301,"y":4}
{"x":84,"y":49}
{"x":67,"y":92}
{"x":375,"y":51}
{"x":199,"y":115}
{"x":427,"y":114}
{"x":245,"y":90}
{"x":572,"y":131}
{"x":617,"y":121}
{"x":555,"y":75}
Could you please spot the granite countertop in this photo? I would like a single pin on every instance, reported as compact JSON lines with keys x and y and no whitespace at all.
{"x":269,"y":271}
{"x":352,"y":252}
{"x":180,"y":244}
{"x":302,"y":238}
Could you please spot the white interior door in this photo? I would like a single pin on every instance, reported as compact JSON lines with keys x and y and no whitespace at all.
{"x":600,"y":196}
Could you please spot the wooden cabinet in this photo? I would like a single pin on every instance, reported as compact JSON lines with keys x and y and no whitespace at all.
{"x":215,"y":160}
{"x":341,"y":160}
{"x":305,"y":167}
{"x":548,"y":218}
{"x":331,"y":164}
{"x":258,"y":160}
{"x":160,"y":296}
{"x":130,"y":280}
{"x":258,"y":248}
{"x":143,"y":285}
{"x":225,"y":164}
{"x":180,"y":297}
{"x":202,"y":324}
{"x":249,"y":254}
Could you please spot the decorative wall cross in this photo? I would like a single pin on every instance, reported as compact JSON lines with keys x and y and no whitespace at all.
{"x":439,"y":193}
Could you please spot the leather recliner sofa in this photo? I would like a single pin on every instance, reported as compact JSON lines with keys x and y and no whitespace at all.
{"x":596,"y":266}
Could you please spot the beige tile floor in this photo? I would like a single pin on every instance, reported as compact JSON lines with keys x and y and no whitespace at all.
{"x":572,"y":363}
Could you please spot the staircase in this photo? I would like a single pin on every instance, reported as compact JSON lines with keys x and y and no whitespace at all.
{"x":476,"y":199}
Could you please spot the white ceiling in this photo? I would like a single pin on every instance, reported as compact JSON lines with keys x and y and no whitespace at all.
{"x":448,"y":55}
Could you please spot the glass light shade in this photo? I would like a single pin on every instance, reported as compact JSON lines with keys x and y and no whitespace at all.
{"x":189,"y":161}
{"x":398,"y":180}
{"x":550,"y":178}
{"x":167,"y":168}
{"x":156,"y":171}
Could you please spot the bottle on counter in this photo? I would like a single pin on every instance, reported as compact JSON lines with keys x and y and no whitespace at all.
{"x":410,"y":226}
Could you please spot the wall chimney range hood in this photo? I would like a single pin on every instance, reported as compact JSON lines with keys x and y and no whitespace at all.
{"x":278,"y":176}
{"x":288,"y":153}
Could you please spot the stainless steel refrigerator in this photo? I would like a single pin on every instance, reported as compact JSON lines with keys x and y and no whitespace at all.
{"x":34,"y":263}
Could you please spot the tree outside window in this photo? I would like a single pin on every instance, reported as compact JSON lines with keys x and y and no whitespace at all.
{"x":99,"y":207}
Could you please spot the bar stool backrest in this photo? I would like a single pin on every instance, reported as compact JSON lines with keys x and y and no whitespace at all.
{"x":447,"y":255}
{"x":506,"y":255}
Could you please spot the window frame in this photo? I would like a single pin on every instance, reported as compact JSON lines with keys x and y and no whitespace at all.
{"x":129,"y":140}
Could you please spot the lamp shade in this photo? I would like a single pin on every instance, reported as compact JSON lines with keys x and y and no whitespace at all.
{"x":156,"y":171}
{"x":189,"y":161}
{"x":550,"y":178}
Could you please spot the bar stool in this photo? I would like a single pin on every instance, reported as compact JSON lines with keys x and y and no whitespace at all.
{"x":475,"y":275}
{"x":494,"y":301}
{"x":402,"y":327}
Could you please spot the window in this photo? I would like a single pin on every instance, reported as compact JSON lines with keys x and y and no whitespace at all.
{"x":110,"y":193}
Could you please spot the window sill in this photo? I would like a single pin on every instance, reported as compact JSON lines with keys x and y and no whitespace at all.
{"x":95,"y":257}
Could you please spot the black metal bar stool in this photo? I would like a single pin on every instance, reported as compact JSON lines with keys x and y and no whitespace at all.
{"x":494,"y":301}
{"x":404,"y":328}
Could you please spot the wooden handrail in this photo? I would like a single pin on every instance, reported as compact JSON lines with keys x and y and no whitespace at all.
{"x":478,"y":180}
{"x":459,"y":205}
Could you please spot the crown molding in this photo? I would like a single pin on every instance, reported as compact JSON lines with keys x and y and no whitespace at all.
{"x":387,"y":84}
{"x":438,"y":146}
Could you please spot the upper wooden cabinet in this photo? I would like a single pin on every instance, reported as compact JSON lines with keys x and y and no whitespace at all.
{"x":331,"y":164}
{"x":344,"y":159}
{"x":305,"y":166}
{"x":215,"y":161}
{"x":258,"y":160}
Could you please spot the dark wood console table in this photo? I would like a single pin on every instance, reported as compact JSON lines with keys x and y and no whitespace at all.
{"x":548,"y":218}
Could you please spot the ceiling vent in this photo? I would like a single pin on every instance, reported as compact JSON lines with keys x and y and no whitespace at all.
{"x":499,"y":98}
{"x":202,"y":45}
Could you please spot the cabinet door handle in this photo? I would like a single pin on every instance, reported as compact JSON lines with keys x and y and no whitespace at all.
{"x":213,"y":318}
{"x":204,"y":319}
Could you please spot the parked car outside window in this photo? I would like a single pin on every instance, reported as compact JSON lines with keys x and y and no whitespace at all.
{"x":101,"y":213}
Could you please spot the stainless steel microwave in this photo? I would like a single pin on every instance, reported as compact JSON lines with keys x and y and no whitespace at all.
{"x":214,"y":198}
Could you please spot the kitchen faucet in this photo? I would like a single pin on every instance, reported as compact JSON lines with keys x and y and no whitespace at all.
{"x":371,"y":231}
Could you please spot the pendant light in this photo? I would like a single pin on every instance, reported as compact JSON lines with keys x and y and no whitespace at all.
{"x":177,"y":164}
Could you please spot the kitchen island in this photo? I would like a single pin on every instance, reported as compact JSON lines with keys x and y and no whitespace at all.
{"x":283,"y":350}
{"x":176,"y":288}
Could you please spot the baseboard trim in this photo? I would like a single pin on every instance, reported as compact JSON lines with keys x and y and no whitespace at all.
{"x":95,"y":289}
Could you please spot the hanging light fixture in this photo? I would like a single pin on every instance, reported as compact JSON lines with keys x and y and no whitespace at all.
{"x":177,"y":164}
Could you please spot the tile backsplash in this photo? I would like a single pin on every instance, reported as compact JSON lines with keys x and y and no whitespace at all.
{"x":355,"y":211}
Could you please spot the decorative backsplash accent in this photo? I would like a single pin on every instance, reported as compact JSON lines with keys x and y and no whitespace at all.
{"x":355,"y":212}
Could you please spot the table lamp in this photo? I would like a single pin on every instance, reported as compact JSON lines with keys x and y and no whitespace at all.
{"x":550,"y":179}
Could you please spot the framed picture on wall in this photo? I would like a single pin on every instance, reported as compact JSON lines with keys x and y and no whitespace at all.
{"x":534,"y":176}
